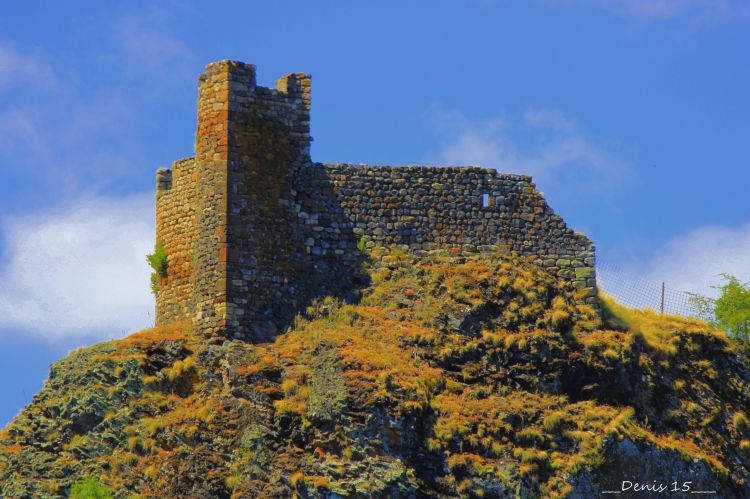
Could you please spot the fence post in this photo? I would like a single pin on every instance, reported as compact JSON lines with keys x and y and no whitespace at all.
{"x":662,"y":299}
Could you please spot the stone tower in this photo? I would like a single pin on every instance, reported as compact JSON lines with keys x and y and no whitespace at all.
{"x":253,"y":228}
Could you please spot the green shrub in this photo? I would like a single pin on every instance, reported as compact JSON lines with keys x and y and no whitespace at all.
{"x":158,"y":262}
{"x":362,"y":244}
{"x":154,"y":283}
{"x":90,"y":488}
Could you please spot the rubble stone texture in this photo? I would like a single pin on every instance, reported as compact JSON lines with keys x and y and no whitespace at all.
{"x":254,"y":229}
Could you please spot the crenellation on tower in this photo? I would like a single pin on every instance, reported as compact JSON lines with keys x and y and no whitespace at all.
{"x":254,"y":229}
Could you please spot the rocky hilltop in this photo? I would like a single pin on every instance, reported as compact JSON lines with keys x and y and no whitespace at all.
{"x":445,"y":376}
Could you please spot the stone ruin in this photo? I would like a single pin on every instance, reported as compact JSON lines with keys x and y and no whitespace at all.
{"x":254,"y":229}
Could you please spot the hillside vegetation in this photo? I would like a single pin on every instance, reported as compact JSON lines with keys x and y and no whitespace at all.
{"x":452,"y":376}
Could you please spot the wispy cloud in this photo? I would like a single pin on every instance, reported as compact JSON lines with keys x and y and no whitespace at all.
{"x":550,"y":119}
{"x":71,"y":145}
{"x":148,"y":45}
{"x":689,"y":263}
{"x":17,"y":67}
{"x":666,"y":9}
{"x":694,"y":261}
{"x":72,"y":141}
{"x":79,"y":136}
{"x":78,"y":271}
{"x":542,"y":143}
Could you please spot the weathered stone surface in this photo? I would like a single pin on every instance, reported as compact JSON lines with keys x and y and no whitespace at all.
{"x":636,"y":470}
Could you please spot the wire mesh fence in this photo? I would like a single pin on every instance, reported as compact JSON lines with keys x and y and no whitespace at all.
{"x":633,"y":290}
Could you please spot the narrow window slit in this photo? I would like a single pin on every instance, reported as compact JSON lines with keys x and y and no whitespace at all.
{"x":485,"y":200}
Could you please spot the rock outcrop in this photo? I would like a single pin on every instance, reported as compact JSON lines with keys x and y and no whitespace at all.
{"x":444,"y":376}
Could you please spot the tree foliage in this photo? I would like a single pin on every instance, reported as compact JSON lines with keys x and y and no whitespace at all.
{"x":732,"y":308}
{"x":731,"y":311}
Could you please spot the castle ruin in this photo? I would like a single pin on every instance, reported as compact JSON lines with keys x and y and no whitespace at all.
{"x":253,"y":228}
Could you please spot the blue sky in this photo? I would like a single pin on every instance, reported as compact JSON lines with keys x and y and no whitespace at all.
{"x":631,"y":115}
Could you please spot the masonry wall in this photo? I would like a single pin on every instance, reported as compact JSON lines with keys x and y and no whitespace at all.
{"x":175,"y":226}
{"x":268,"y":139}
{"x":245,"y":255}
{"x":209,"y":242}
{"x":254,"y":230}
{"x":464,"y":209}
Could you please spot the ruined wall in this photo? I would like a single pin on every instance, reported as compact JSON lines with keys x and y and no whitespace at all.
{"x":254,"y":229}
{"x":465,"y":209}
{"x":175,"y":226}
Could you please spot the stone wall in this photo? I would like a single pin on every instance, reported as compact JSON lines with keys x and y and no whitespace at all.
{"x":465,"y":209}
{"x":254,"y":229}
{"x":209,"y":235}
{"x":268,"y":139}
{"x":175,"y":224}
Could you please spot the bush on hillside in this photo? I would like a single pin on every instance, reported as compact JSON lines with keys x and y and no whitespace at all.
{"x":90,"y":488}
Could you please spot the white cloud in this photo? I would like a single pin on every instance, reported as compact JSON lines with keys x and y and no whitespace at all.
{"x":543,"y":143}
{"x":691,"y":262}
{"x":79,"y":271}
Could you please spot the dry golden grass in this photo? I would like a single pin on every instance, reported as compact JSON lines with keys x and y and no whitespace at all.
{"x":177,"y":331}
{"x":403,"y":351}
{"x":13,"y":449}
{"x":659,"y":331}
